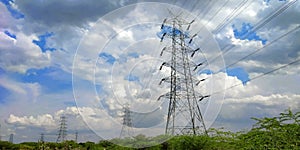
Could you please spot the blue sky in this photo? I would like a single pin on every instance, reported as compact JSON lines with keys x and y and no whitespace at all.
{"x":42,"y":42}
{"x":246,"y":32}
{"x":14,"y":12}
{"x":238,"y":72}
{"x":4,"y":93}
{"x":49,"y":50}
{"x":131,"y":77}
{"x":10,"y":34}
{"x":107,"y":57}
{"x":52,"y":79}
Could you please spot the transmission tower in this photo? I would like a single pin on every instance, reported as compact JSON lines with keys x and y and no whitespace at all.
{"x":42,"y":138}
{"x":41,"y":142}
{"x":11,"y":138}
{"x":127,"y":130}
{"x":184,"y":114}
{"x":76,"y":136}
{"x":0,"y":133}
{"x":62,"y":133}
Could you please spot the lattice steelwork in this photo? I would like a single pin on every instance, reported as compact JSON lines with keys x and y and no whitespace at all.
{"x":42,"y":138}
{"x":126,"y":130}
{"x":184,"y":114}
{"x":0,"y":133}
{"x":62,"y":133}
{"x":11,"y":138}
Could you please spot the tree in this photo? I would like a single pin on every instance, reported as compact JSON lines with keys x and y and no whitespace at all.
{"x":281,"y":132}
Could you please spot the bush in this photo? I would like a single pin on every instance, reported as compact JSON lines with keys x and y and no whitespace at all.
{"x":282,"y":132}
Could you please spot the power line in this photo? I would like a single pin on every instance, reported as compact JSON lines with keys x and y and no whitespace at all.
{"x":194,"y":6}
{"x":214,"y":15}
{"x":273,"y":15}
{"x":184,"y":114}
{"x":270,"y":43}
{"x":206,"y":10}
{"x":224,"y":51}
{"x":232,"y":15}
{"x":257,"y":26}
{"x":184,"y":2}
{"x":259,"y":76}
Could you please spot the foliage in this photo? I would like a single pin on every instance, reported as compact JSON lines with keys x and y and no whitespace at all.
{"x":282,"y":132}
{"x":8,"y":145}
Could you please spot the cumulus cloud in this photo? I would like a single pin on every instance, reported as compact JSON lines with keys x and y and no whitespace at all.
{"x":45,"y":120}
{"x":130,"y":38}
{"x":21,"y":54}
{"x":89,"y":117}
{"x":29,"y":91}
{"x":67,"y":13}
{"x":289,"y":100}
{"x":258,"y":98}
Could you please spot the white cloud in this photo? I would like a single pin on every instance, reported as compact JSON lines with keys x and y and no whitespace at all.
{"x":28,"y":91}
{"x":21,"y":54}
{"x":287,"y":100}
{"x":5,"y":18}
{"x":265,"y":96}
{"x":45,"y":120}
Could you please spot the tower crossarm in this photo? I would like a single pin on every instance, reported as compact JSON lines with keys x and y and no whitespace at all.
{"x":184,"y":114}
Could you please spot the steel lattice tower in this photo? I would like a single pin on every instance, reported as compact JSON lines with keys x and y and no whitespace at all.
{"x":0,"y":133}
{"x":76,"y":136}
{"x":127,"y":122}
{"x":11,"y":138}
{"x":184,"y":114}
{"x":42,"y":138}
{"x":62,"y":133}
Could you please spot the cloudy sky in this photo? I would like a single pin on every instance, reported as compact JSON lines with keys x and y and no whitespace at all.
{"x":86,"y":59}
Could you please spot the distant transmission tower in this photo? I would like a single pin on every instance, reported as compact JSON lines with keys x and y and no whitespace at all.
{"x":0,"y":133}
{"x":184,"y":114}
{"x":62,"y":133}
{"x":41,"y":142}
{"x":42,"y":138}
{"x":11,"y":138}
{"x":76,"y":136}
{"x":127,"y":130}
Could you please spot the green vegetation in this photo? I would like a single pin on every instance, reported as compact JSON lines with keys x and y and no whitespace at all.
{"x":282,"y":132}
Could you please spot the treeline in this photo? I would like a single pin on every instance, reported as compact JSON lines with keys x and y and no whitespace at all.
{"x":281,"y":132}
